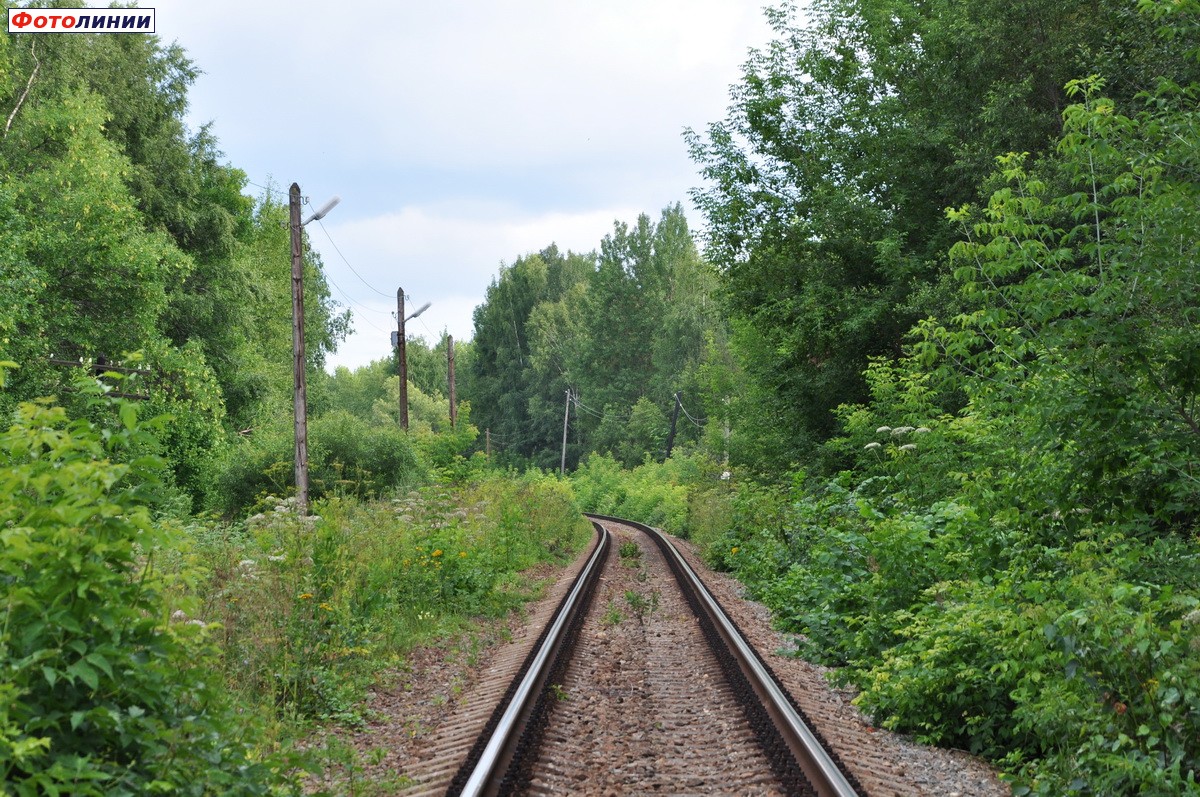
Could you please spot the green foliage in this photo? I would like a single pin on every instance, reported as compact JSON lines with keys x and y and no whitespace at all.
{"x":105,"y":276}
{"x":184,"y":387}
{"x":1090,"y":680}
{"x":1086,"y":305}
{"x":347,"y":456}
{"x":521,"y":404}
{"x":1007,"y":562}
{"x":553,"y":323}
{"x":653,"y":493}
{"x":310,"y":610}
{"x":101,"y":695}
{"x":846,"y":138}
{"x":443,"y":450}
{"x":634,"y":438}
{"x":630,"y":550}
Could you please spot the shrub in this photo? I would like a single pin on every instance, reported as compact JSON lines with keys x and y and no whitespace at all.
{"x":311,"y":610}
{"x":655,"y":493}
{"x":101,"y":694}
{"x":347,"y":456}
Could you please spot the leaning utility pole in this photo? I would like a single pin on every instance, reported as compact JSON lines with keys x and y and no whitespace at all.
{"x":300,"y":391}
{"x":674,"y":419}
{"x":450,"y":364}
{"x":562,"y":468}
{"x":401,"y":359}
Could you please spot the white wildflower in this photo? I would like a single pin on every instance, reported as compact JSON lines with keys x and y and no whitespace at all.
{"x":276,"y":558}
{"x":178,"y":616}
{"x":899,"y":430}
{"x":883,"y":429}
{"x":921,"y":430}
{"x":200,"y":623}
{"x":872,"y":446}
{"x":909,"y":447}
{"x":247,"y":563}
{"x":1192,"y":617}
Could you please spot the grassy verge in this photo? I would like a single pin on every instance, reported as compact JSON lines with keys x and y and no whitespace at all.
{"x":307,"y":612}
{"x":1068,"y":659}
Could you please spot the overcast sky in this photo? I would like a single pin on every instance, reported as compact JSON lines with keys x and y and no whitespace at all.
{"x":460,"y":134}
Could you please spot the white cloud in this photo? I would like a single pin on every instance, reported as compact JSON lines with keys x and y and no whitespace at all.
{"x":444,"y":254}
{"x":461,"y":133}
{"x":464,"y":83}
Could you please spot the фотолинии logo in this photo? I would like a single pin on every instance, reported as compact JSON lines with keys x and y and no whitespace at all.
{"x":81,"y":20}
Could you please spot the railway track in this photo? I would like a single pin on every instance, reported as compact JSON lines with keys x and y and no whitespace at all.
{"x":638,"y":683}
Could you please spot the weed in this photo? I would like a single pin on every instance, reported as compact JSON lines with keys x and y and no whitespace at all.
{"x":351,"y":772}
{"x":640,"y":604}
{"x":631,"y":552}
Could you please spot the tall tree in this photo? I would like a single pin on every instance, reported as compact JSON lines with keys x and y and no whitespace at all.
{"x":620,"y":331}
{"x":847,"y":137}
{"x":508,"y":394}
{"x":123,"y":232}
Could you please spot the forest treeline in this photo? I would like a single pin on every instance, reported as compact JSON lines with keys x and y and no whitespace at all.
{"x":959,"y":244}
{"x":146,"y":390}
{"x":620,"y":331}
{"x":953,"y":340}
{"x":122,"y":231}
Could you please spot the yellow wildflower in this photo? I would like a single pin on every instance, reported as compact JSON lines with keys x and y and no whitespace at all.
{"x":734,"y":549}
{"x":438,"y":552}
{"x":461,"y":554}
{"x":304,"y":596}
{"x":326,"y":607}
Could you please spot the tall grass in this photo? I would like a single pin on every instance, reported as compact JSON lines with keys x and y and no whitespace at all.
{"x":310,"y":611}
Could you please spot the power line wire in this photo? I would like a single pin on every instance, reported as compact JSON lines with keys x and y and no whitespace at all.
{"x":580,"y":406}
{"x":699,"y":423}
{"x":347,"y":262}
{"x":266,"y":188}
{"x":346,"y":296}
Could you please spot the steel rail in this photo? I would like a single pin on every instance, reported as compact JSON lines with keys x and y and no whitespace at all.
{"x":810,"y":753}
{"x":492,"y":764}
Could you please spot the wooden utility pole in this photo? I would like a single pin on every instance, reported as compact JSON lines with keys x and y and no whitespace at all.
{"x":674,"y":420}
{"x":401,"y":359}
{"x":562,"y":468}
{"x":450,"y":364}
{"x":487,"y":447}
{"x":300,"y":391}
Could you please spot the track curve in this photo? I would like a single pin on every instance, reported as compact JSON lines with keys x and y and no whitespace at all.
{"x":686,"y":707}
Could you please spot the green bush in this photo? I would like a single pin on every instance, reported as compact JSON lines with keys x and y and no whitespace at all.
{"x":1079,"y":680}
{"x":347,"y":456}
{"x":310,"y":610}
{"x":101,"y":694}
{"x":655,"y":493}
